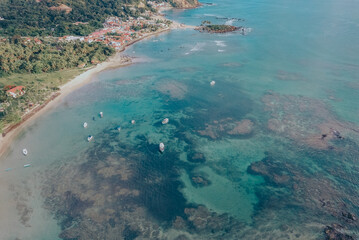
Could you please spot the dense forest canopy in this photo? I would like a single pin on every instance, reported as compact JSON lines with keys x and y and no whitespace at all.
{"x":24,"y":56}
{"x":44,"y":17}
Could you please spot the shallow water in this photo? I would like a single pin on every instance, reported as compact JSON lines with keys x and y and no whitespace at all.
{"x":269,"y":152}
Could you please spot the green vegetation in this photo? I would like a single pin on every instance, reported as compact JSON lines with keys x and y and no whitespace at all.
{"x":38,"y":89}
{"x":220,"y":28}
{"x":41,"y":63}
{"x":114,"y":34}
{"x":213,"y":28}
{"x":36,"y":65}
{"x":150,"y":27}
{"x":181,"y":4}
{"x":39,"y":18}
{"x":44,"y":80}
{"x":27,"y":56}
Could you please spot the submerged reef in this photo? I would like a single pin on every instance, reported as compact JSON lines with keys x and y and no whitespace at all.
{"x":227,"y":126}
{"x":297,"y":186}
{"x":115,"y":191}
{"x":131,"y":191}
{"x":289,"y":76}
{"x":172,"y":88}
{"x":307,"y":121}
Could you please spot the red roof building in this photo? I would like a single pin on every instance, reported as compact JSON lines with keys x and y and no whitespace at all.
{"x":16,"y":91}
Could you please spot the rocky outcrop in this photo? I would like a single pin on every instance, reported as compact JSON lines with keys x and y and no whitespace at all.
{"x":185,"y":3}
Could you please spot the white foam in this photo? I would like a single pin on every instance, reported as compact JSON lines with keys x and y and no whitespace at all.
{"x":198,"y":47}
{"x":220,"y":43}
{"x":212,"y":15}
{"x":209,"y":15}
{"x":220,"y":50}
{"x":245,"y":31}
{"x":229,"y":22}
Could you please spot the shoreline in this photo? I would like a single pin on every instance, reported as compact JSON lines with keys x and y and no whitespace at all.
{"x":116,"y":61}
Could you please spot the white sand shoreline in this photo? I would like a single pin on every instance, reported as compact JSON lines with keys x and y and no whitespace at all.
{"x":78,"y":81}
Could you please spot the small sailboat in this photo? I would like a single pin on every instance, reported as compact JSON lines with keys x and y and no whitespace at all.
{"x":89,"y":138}
{"x":213,"y":83}
{"x":162,"y":147}
{"x":85,"y":124}
{"x":24,"y":151}
{"x":101,"y":114}
{"x":133,"y":121}
{"x":165,"y":121}
{"x":27,"y":165}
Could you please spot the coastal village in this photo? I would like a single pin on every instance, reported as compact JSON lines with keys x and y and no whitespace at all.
{"x":119,"y":33}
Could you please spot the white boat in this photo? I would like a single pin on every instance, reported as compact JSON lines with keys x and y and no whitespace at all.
{"x":24,"y":151}
{"x":212,"y":83}
{"x":85,"y":124}
{"x":119,"y":129}
{"x":27,"y":165}
{"x":133,"y":121}
{"x":89,"y":138}
{"x":101,"y":114}
{"x":162,"y":147}
{"x":165,"y":121}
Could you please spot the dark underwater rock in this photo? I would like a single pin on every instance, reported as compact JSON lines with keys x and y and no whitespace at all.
{"x":349,"y":216}
{"x":181,"y":237}
{"x":206,"y":222}
{"x":334,"y":232}
{"x":227,"y":126}
{"x":200,"y":181}
{"x":179,"y":223}
{"x":196,"y":157}
{"x":270,"y":170}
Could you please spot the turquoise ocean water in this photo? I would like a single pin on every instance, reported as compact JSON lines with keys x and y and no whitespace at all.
{"x":269,"y":152}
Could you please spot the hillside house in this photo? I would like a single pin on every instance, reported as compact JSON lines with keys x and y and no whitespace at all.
{"x":16,"y":91}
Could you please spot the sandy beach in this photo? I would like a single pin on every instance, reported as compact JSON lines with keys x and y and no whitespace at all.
{"x":116,"y":61}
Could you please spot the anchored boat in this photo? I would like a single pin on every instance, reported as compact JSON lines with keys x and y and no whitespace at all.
{"x":101,"y":114}
{"x":89,"y":138}
{"x":85,"y":124}
{"x":24,"y":151}
{"x":162,"y":147}
{"x":165,"y":121}
{"x":212,"y":83}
